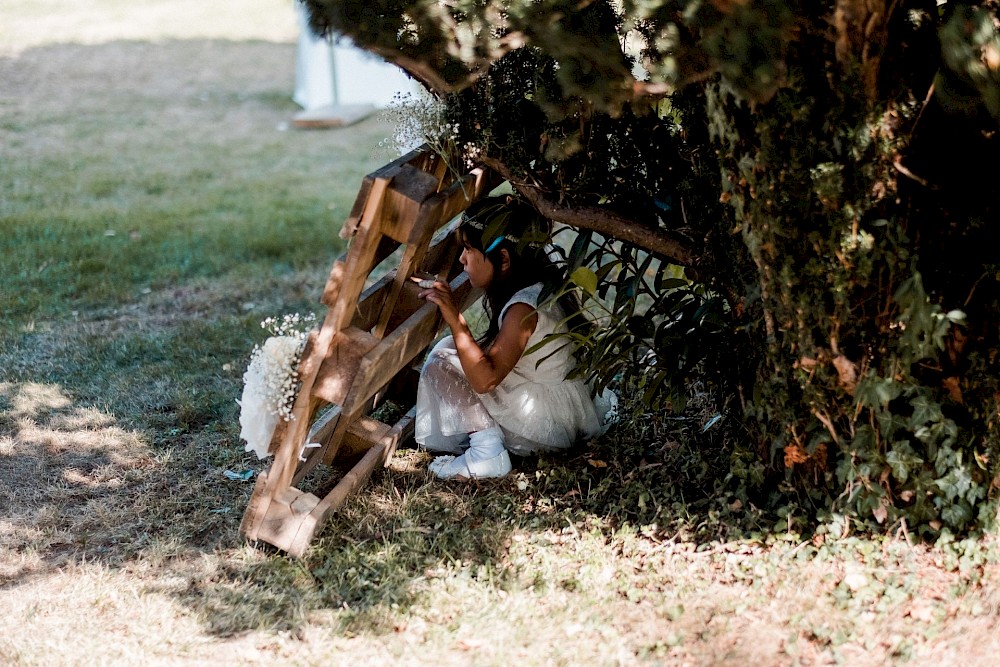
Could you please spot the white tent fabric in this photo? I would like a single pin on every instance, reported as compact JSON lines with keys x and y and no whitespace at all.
{"x":334,"y":72}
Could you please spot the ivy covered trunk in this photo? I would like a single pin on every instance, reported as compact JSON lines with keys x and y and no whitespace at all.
{"x":876,"y":397}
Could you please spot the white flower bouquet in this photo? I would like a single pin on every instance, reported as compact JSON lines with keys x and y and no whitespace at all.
{"x":271,"y":382}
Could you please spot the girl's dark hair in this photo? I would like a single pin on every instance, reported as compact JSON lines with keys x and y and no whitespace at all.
{"x":506,"y":222}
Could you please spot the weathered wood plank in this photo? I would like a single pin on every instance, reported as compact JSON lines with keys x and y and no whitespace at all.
{"x":403,"y":201}
{"x":367,"y":342}
{"x":436,"y":212}
{"x":386,"y":172}
{"x":336,"y":374}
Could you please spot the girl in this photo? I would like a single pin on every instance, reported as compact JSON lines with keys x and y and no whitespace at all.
{"x":487,"y":396}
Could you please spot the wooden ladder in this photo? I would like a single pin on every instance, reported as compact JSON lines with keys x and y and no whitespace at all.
{"x":367,"y":344}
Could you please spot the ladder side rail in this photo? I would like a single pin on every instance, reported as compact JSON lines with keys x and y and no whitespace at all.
{"x":438,"y":211}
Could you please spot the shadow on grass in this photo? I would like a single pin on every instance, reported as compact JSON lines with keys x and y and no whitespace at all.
{"x":405,"y":537}
{"x":369,"y":561}
{"x":153,"y":496}
{"x":114,"y":434}
{"x":77,"y":485}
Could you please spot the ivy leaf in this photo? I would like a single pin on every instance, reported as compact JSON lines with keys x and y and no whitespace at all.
{"x":956,"y":515}
{"x":901,"y":459}
{"x":955,"y":484}
{"x":924,"y":410}
{"x":888,"y":390}
{"x":875,"y":392}
{"x":866,"y":394}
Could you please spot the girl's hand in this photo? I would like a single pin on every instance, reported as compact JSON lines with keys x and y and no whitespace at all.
{"x":440,"y":295}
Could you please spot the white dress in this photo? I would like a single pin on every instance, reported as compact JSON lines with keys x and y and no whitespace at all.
{"x":537,"y":408}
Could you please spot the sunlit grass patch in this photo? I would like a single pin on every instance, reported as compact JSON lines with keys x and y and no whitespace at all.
{"x":194,"y":177}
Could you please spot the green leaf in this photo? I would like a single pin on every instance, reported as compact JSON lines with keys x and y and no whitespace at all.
{"x":956,"y":483}
{"x":924,"y":410}
{"x":875,"y":392}
{"x":901,"y":459}
{"x":625,"y":294}
{"x":956,"y":515}
{"x":584,"y":278}
{"x":671,"y":283}
{"x":576,"y":254}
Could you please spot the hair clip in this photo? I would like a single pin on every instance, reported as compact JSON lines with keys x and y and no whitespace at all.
{"x":493,"y":245}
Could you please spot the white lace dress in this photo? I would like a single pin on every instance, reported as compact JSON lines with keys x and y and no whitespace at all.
{"x":537,"y":408}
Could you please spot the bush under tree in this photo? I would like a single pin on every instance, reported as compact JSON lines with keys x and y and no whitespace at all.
{"x":790,"y":203}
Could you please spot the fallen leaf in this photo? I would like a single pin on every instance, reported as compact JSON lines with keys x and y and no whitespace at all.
{"x":597,"y":463}
{"x":794,"y":454}
{"x":954,"y":390}
{"x":469,"y":644}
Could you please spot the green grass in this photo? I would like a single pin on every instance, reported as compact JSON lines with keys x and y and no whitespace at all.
{"x":154,"y":213}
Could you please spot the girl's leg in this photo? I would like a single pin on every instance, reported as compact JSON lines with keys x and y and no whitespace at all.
{"x":448,"y":411}
{"x":447,"y":408}
{"x":486,"y":457}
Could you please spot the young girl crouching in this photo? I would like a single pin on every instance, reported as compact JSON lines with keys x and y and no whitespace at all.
{"x":480,"y":399}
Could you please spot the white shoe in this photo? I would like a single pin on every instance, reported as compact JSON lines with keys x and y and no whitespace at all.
{"x":461,"y":467}
{"x":607,"y":409}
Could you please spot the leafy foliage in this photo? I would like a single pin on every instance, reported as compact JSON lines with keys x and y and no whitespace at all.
{"x":811,"y":184}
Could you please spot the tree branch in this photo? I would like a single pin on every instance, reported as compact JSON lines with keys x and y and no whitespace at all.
{"x":424,"y":72}
{"x":428,"y":73}
{"x":607,"y":223}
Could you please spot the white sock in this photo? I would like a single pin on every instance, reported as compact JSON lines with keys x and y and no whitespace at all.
{"x":485,"y":444}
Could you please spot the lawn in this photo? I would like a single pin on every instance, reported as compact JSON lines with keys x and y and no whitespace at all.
{"x":155,"y":207}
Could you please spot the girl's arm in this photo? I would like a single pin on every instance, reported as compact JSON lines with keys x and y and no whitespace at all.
{"x":486,"y":369}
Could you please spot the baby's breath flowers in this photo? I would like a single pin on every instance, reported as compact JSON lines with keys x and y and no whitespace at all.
{"x":416,"y":120}
{"x":419,"y":119}
{"x":271,"y":381}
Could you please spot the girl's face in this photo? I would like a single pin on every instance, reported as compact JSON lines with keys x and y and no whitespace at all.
{"x":479,"y":269}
